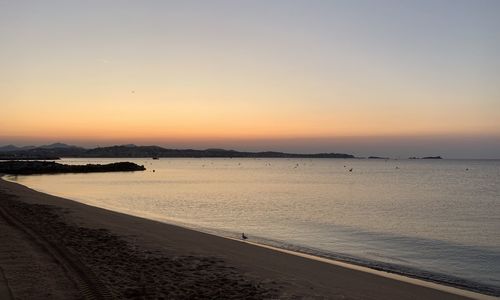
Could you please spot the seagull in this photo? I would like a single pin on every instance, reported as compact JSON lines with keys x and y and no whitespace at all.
{"x":243,"y":236}
{"x":350,"y":170}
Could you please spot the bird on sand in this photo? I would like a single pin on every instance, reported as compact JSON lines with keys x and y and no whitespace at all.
{"x":243,"y":236}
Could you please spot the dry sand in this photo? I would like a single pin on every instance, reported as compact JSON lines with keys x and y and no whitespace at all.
{"x":55,"y":248}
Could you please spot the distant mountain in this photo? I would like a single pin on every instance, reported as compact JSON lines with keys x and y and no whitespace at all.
{"x":47,"y":152}
{"x":9,"y":148}
{"x":58,"y":145}
{"x":63,"y":150}
{"x":156,"y":151}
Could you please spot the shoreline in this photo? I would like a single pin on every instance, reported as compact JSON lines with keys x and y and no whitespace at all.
{"x":386,"y":274}
{"x":298,"y":274}
{"x":438,"y":281}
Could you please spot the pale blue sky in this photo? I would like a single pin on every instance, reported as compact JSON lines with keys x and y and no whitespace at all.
{"x":234,"y":72}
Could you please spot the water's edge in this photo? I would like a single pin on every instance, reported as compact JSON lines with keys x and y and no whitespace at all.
{"x":414,"y":273}
{"x":436,"y":280}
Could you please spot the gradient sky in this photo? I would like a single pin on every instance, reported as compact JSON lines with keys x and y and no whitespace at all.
{"x":395,"y":78}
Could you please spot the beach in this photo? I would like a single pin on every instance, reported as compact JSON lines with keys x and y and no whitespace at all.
{"x":95,"y":253}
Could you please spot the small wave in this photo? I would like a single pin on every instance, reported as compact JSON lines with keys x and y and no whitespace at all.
{"x":412,"y":272}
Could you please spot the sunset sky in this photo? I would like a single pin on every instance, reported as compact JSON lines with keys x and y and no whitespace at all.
{"x":395,"y":78}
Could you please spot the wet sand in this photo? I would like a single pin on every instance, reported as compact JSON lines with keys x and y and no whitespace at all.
{"x":100,"y":254}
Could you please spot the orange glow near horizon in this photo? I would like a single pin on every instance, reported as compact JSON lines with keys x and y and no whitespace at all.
{"x":181,"y":72}
{"x":137,"y":116}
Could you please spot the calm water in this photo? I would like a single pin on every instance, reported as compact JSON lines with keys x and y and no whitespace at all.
{"x":427,"y":218}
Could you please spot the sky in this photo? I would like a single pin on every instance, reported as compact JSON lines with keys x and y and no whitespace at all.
{"x":390,"y":78}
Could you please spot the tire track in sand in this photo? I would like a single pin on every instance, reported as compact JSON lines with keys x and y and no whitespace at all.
{"x":89,"y":286}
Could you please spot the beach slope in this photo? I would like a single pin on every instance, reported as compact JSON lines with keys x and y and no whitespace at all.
{"x":113,"y":255}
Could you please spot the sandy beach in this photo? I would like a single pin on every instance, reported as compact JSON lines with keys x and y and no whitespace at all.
{"x":55,"y":248}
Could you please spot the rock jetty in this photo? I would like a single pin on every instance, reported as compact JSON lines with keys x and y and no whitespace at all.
{"x":46,"y":167}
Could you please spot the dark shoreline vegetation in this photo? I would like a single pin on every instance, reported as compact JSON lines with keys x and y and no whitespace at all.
{"x":4,"y":157}
{"x":45,"y":167}
{"x":58,"y":150}
{"x":11,"y":152}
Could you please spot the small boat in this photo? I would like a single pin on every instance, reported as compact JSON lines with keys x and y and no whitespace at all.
{"x":156,"y":157}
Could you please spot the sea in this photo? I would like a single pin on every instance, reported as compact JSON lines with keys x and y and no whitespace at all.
{"x":437,"y":220}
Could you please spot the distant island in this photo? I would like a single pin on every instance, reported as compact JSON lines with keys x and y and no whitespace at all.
{"x":426,"y":157}
{"x":54,"y":151}
{"x":43,"y":167}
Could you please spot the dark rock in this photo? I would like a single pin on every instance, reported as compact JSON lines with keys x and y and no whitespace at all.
{"x":43,"y":167}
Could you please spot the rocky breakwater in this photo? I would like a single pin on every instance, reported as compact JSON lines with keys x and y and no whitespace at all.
{"x":45,"y":167}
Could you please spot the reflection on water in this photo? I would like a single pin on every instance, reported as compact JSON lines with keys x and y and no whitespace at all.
{"x":440,"y":216}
